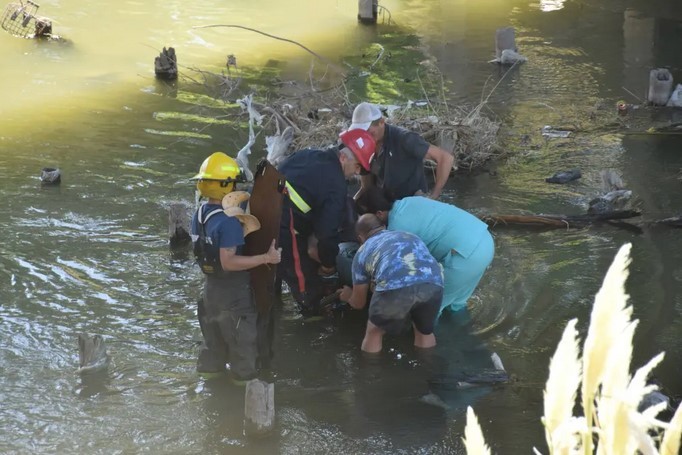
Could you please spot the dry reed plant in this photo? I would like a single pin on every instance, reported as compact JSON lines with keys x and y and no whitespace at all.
{"x":612,"y":424}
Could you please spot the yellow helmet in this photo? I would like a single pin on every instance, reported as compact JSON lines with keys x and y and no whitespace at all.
{"x":217,"y":176}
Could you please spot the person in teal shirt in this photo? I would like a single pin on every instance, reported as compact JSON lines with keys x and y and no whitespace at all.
{"x":458,"y":240}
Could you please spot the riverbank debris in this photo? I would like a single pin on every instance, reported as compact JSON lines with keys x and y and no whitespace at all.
{"x":660,"y":86}
{"x":20,"y":19}
{"x":50,"y":176}
{"x":166,"y":65}
{"x":614,"y":198}
{"x":548,"y":131}
{"x":564,"y":176}
{"x":675,"y":99}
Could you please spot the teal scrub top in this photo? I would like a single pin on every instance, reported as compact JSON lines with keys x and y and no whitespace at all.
{"x":442,"y":227}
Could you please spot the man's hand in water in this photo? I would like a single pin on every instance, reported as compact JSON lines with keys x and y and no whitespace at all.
{"x":345,"y":293}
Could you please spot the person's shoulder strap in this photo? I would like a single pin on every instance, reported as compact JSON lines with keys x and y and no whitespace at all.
{"x":203,"y":219}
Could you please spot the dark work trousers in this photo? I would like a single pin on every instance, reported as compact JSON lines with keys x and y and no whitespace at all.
{"x":228,"y":323}
{"x":298,"y":270}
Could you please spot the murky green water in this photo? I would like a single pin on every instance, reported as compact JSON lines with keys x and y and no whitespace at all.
{"x":92,"y":254}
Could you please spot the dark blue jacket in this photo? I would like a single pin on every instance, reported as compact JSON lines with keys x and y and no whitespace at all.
{"x":317,"y":176}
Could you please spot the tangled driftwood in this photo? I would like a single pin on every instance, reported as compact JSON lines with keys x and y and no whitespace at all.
{"x":318,"y":114}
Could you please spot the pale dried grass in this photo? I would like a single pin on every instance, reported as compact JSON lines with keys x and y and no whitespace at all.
{"x":612,"y":423}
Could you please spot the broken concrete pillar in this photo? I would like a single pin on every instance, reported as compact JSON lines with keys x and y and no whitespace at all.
{"x":504,"y":39}
{"x":259,"y":408}
{"x":367,"y":11}
{"x":660,"y":86}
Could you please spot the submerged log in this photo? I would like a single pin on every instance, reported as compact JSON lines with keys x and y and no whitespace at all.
{"x":558,"y":221}
{"x":166,"y":65}
{"x":672,"y":222}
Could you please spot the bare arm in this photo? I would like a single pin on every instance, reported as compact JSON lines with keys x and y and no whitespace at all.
{"x":356,"y":297}
{"x":233,"y":262}
{"x":444,"y":161}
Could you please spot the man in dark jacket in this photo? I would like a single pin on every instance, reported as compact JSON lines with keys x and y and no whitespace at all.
{"x":398,"y":166}
{"x":316,"y":185}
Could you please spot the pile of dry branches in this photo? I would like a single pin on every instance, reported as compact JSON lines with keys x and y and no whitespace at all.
{"x":318,"y":110}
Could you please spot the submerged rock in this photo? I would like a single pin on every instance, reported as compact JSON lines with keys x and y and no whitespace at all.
{"x":50,"y":176}
{"x":564,"y":176}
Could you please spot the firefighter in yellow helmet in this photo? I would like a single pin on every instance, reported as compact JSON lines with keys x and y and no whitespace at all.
{"x":227,"y":311}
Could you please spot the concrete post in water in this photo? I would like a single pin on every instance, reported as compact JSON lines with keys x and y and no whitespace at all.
{"x":504,"y":39}
{"x":259,"y":408}
{"x":178,"y":225}
{"x":367,"y":11}
{"x":166,"y":65}
{"x":660,"y":86}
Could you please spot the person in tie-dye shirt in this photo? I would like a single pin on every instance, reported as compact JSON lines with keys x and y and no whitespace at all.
{"x":407,"y":284}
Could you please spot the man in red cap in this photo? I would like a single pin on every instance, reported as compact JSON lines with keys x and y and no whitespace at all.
{"x":312,"y":214}
{"x":398,"y":166}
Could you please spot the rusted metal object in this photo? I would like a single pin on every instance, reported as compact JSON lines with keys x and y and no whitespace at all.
{"x":20,"y":19}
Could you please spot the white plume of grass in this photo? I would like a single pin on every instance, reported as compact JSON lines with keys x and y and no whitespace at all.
{"x":671,"y":439}
{"x":608,"y":323}
{"x":473,"y":436}
{"x":610,"y":396}
{"x":562,"y":386}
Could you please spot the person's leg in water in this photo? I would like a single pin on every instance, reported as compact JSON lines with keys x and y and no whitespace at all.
{"x":423,"y":340}
{"x":424,"y":313}
{"x":299,"y":271}
{"x":373,"y":338}
{"x":213,"y":354}
{"x":462,"y":275}
{"x":239,"y":327}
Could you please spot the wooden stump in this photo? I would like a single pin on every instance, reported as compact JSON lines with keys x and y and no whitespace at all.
{"x":259,"y":408}
{"x":660,"y":86}
{"x":166,"y":65}
{"x":178,"y":225}
{"x":504,"y":39}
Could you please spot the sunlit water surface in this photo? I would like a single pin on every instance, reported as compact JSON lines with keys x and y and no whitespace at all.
{"x":92,"y":256}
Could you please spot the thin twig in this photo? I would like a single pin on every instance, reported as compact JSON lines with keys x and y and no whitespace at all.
{"x":635,"y":96}
{"x":381,"y":54}
{"x":273,"y":37}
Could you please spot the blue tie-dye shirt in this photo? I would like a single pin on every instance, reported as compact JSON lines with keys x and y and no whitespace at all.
{"x":394,"y":260}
